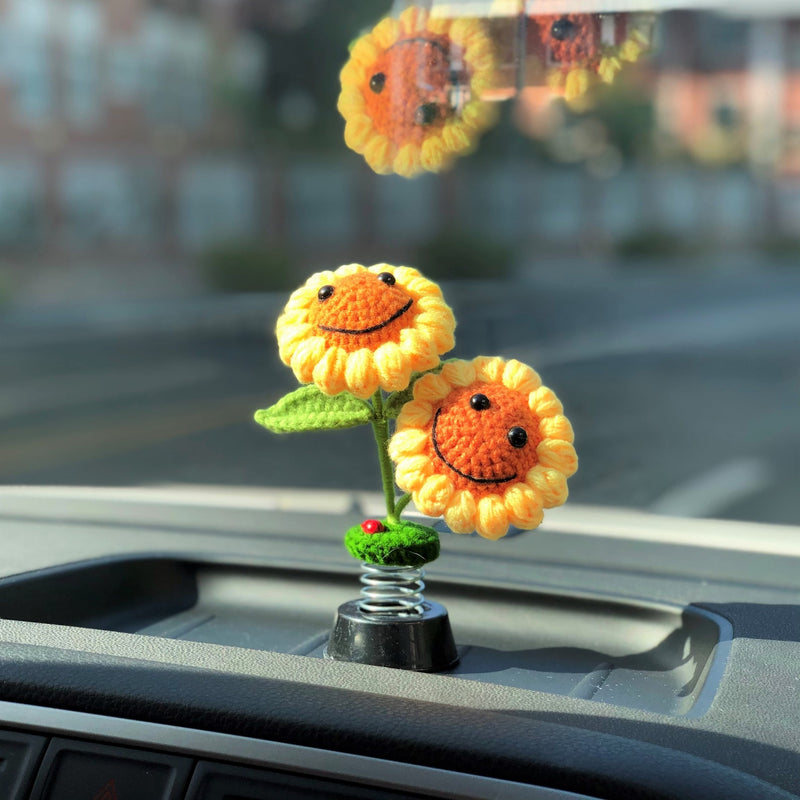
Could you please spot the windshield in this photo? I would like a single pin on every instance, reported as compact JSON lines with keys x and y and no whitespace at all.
{"x":608,"y":193}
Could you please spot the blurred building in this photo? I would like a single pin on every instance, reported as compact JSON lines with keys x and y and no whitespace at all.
{"x":727,"y":89}
{"x":120,"y":124}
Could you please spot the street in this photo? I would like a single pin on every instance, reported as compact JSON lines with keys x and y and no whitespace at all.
{"x":684,"y":395}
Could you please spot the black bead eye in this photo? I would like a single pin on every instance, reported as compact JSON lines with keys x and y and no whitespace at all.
{"x":480,"y":402}
{"x":387,"y":278}
{"x":426,"y":114}
{"x":518,"y":437}
{"x":377,"y":82}
{"x":562,"y":29}
{"x":325,"y":292}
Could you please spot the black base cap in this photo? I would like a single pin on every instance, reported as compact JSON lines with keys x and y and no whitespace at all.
{"x":422,"y":642}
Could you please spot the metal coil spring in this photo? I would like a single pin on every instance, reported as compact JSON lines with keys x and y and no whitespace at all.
{"x":393,"y":591}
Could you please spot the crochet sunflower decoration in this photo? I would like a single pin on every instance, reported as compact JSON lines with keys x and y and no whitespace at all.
{"x":411,"y":92}
{"x":484,"y":444}
{"x":479,"y":442}
{"x":582,"y":50}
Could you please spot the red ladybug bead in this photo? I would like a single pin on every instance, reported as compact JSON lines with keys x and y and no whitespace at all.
{"x":372,"y":526}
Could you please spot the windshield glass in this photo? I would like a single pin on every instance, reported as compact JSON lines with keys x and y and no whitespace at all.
{"x":608,"y":193}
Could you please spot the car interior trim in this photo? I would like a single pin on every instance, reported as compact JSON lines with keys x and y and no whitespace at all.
{"x":366,"y":770}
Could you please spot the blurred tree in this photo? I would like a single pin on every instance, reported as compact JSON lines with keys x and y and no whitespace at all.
{"x":298,"y":104}
{"x":625,"y":110}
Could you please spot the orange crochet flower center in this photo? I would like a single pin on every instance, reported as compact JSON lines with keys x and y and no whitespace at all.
{"x":472,"y":445}
{"x":407,"y":91}
{"x":580,"y":37}
{"x":362,"y":311}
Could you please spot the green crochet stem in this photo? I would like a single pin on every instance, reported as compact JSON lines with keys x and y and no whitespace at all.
{"x":401,"y":504}
{"x":380,"y":429}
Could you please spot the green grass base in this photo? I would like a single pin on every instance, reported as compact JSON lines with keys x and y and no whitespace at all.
{"x":401,"y":545}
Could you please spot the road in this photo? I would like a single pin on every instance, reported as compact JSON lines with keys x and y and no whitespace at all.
{"x":684,"y":394}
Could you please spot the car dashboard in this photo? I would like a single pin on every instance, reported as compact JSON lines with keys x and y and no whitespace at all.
{"x":171,"y":643}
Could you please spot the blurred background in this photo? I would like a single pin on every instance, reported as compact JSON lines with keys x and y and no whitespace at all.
{"x":170,"y":169}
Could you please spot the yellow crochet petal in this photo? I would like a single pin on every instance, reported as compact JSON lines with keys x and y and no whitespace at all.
{"x":365,"y":50}
{"x":459,"y":373}
{"x":414,"y":19}
{"x":438,"y":25}
{"x":405,"y":443}
{"x":415,"y":414}
{"x":297,"y":316}
{"x":455,"y":137}
{"x":550,"y":484}
{"x":406,"y":275}
{"x":353,"y":75}
{"x":442,"y":337}
{"x":520,"y":377}
{"x":460,"y":514}
{"x":489,"y":368}
{"x":557,"y":427}
{"x":478,"y":116}
{"x":558,"y":454}
{"x":432,"y":498}
{"x":406,"y":162}
{"x":544,"y":403}
{"x":630,"y":50}
{"x":360,"y":373}
{"x":419,"y":288}
{"x":386,"y":32}
{"x":329,"y":374}
{"x":431,"y":305}
{"x":524,"y":506}
{"x":358,"y":131}
{"x":608,"y":68}
{"x":305,"y":358}
{"x":380,"y":153}
{"x":351,"y":101}
{"x":577,"y":83}
{"x":394,"y":369}
{"x":419,"y":349}
{"x":492,"y":517}
{"x":432,"y":155}
{"x":348,"y":269}
{"x":289,"y":337}
{"x":431,"y":388}
{"x":412,"y":472}
{"x":314,"y":282}
{"x":300,"y":298}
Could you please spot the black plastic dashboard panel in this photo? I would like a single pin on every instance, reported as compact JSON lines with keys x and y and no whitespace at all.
{"x":645,"y":655}
{"x":20,"y":754}
{"x":117,"y":759}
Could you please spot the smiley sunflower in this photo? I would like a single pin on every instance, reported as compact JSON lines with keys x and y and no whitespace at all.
{"x":360,"y":329}
{"x":484,"y":444}
{"x":411,"y":92}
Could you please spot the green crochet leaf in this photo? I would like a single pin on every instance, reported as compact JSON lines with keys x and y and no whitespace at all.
{"x":308,"y":409}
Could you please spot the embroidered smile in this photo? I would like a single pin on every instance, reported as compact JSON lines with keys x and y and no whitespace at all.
{"x":455,"y":469}
{"x":399,"y":313}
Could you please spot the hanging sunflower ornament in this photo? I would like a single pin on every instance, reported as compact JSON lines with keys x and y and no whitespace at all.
{"x":480,"y":442}
{"x":411,"y":92}
{"x":584,"y":50}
